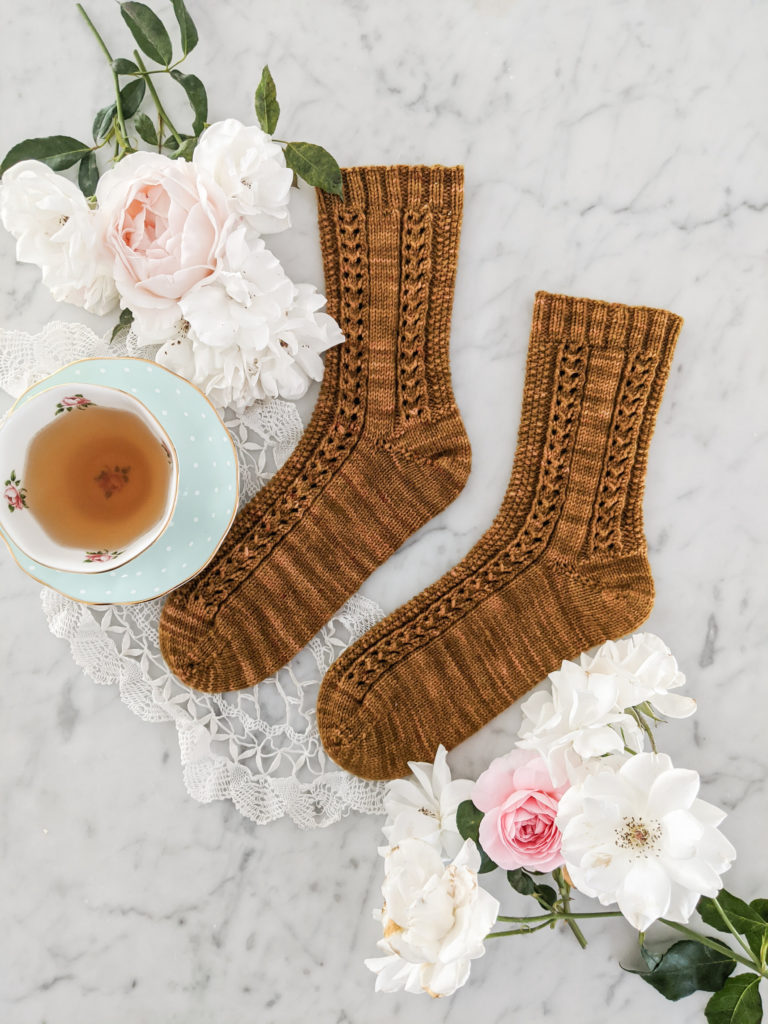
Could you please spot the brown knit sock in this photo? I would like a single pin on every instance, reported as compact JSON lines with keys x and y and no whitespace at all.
{"x":384,"y":452}
{"x":563,"y":567}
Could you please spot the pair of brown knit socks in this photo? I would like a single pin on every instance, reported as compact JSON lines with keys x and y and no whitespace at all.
{"x":563,"y":566}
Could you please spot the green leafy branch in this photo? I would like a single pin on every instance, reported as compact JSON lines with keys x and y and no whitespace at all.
{"x":695,"y":963}
{"x":121,"y":124}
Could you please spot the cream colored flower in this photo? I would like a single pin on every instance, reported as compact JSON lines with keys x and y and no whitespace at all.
{"x":434,"y":919}
{"x":645,"y":670}
{"x":164,"y":225}
{"x":250,"y":170}
{"x":56,"y":230}
{"x":577,"y":720}
{"x":424,"y":807}
{"x":641,"y":838}
{"x":251,"y":332}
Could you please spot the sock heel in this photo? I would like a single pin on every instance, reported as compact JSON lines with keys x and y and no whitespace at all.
{"x":617,"y":593}
{"x":439,"y":443}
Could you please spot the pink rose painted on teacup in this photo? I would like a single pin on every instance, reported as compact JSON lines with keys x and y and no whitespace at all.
{"x":70,"y":402}
{"x":162,"y":224}
{"x":101,"y":556}
{"x":15,"y":495}
{"x":520,"y":803}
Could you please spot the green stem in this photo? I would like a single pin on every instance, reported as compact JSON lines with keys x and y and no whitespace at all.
{"x":123,"y":134}
{"x":644,"y":726}
{"x":155,"y":97}
{"x":734,"y":933}
{"x":517,"y":931}
{"x":565,"y":902}
{"x":156,"y":71}
{"x":712,"y":943}
{"x":542,"y":920}
{"x":561,"y":917}
{"x":95,"y":31}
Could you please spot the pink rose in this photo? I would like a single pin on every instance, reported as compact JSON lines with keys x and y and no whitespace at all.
{"x":12,"y":496}
{"x":520,"y":803}
{"x":99,"y":556}
{"x":73,"y":400}
{"x":162,"y":222}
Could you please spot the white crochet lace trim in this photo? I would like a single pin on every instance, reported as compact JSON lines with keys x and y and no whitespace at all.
{"x":258,"y":747}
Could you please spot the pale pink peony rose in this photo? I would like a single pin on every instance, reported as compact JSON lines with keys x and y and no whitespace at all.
{"x":72,"y":400}
{"x":520,"y":804}
{"x":12,"y":496}
{"x":163,"y":223}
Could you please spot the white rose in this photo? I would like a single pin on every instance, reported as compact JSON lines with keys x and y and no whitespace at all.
{"x":252,"y":333}
{"x":163,"y":224}
{"x":424,"y":807}
{"x":578,"y":719}
{"x":434,"y":918}
{"x":57,"y":231}
{"x":645,"y":670}
{"x":250,"y":169}
{"x":249,"y":290}
{"x":640,"y":837}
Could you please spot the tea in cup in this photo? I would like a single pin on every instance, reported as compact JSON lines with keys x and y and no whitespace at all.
{"x":90,"y":477}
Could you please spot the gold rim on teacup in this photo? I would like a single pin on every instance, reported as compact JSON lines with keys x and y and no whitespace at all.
{"x":15,"y":493}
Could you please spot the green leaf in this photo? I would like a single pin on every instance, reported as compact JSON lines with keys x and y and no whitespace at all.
{"x":686,"y":967}
{"x":172,"y":144}
{"x":265,"y":102}
{"x":102,"y":122}
{"x":521,"y":881}
{"x":316,"y":166}
{"x":737,"y":1002}
{"x":88,"y":175}
{"x":187,"y":28}
{"x":197,"y":96}
{"x":58,"y":151}
{"x":125,"y":321}
{"x":148,"y":31}
{"x":740,"y":914}
{"x":746,"y":919}
{"x":468,"y":819}
{"x":122,"y":66}
{"x":145,"y":129}
{"x":185,"y":150}
{"x":546,"y":895}
{"x":652,"y":960}
{"x":131,"y":96}
{"x":760,"y":907}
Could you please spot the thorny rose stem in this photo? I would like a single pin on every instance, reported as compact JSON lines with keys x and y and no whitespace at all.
{"x":542,"y":920}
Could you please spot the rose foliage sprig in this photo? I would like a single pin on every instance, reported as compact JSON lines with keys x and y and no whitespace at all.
{"x":176,"y":236}
{"x":121,"y":124}
{"x":576,"y":807}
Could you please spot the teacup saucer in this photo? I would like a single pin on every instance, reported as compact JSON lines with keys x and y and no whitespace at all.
{"x":207,"y":495}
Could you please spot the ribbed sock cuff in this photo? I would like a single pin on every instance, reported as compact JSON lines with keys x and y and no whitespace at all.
{"x":401,"y":186}
{"x":604,"y":324}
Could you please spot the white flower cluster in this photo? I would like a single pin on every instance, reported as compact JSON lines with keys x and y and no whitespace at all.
{"x":633,"y":830}
{"x":435,"y":915}
{"x":629,"y":828}
{"x":179,"y":244}
{"x":586,"y":715}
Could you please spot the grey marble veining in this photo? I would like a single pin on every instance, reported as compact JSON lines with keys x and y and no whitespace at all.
{"x":615,"y":150}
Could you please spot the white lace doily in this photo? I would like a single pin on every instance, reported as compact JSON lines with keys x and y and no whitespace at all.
{"x":258,"y":747}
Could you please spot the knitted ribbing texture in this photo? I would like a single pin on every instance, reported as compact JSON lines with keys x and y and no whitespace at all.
{"x":384,"y":452}
{"x":563,"y":567}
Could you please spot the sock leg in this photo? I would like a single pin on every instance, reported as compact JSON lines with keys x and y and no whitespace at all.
{"x":562,"y":568}
{"x":386,"y":449}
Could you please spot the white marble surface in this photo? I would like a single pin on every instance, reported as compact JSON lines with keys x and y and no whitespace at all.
{"x":611,"y":150}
